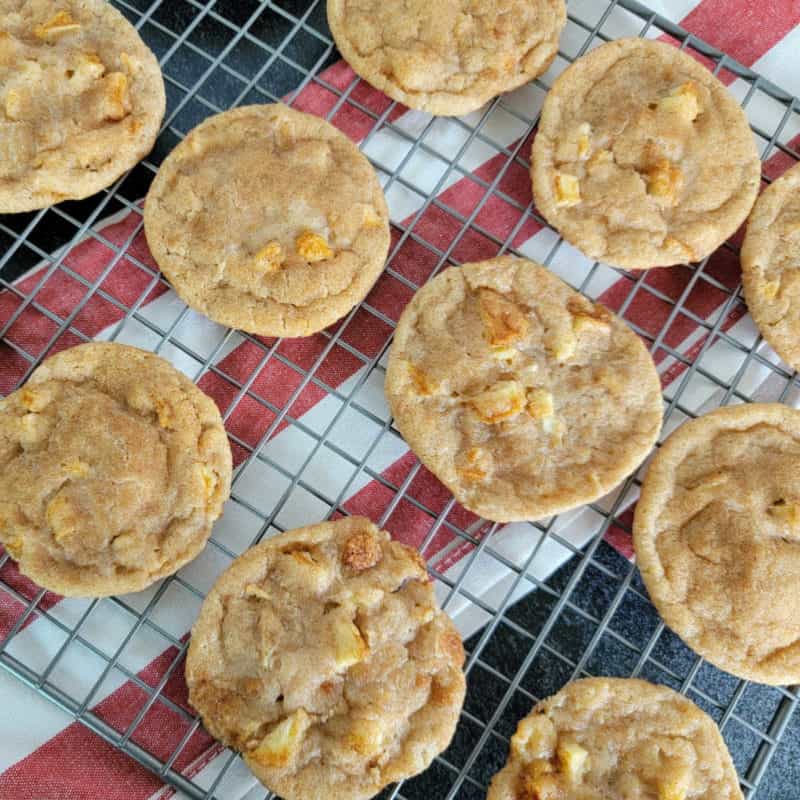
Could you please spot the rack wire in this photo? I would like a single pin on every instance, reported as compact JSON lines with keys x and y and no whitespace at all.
{"x":592,"y":615}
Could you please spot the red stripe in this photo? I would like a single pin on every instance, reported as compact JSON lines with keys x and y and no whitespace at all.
{"x":77,"y":765}
{"x":61,"y":293}
{"x":780,"y":162}
{"x":316,"y":99}
{"x":743,"y":29}
{"x":11,"y":609}
{"x":408,"y":523}
{"x":620,"y":538}
{"x":497,"y":216}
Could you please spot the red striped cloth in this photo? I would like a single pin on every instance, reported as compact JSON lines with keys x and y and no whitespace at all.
{"x":74,"y":763}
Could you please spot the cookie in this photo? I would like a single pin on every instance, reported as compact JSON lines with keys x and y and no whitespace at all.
{"x":448,"y":57}
{"x":322,"y":656}
{"x":523,"y":397}
{"x":771,"y":265}
{"x":113,"y":467}
{"x":617,"y":738}
{"x":82,"y":99}
{"x":717,"y":539}
{"x":269,"y":220}
{"x":643,"y":158}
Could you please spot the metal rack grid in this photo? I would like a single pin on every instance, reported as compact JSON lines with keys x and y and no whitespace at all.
{"x":572,"y":622}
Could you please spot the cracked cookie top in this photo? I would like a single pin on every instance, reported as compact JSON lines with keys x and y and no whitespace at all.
{"x":322,"y":656}
{"x":81,"y":100}
{"x":771,"y":265}
{"x":113,"y":467}
{"x":717,"y":538}
{"x":523,"y":397}
{"x":450,"y":56}
{"x":642,"y":157}
{"x":268,"y":220}
{"x":621,"y":738}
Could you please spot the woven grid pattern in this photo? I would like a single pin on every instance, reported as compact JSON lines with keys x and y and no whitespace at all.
{"x":577,"y":624}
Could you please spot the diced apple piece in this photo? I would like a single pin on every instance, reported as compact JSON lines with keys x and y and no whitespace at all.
{"x":540,"y":403}
{"x":269,"y":258}
{"x":503,"y":320}
{"x":313,"y":247}
{"x":500,"y":402}
{"x":350,"y":645}
{"x":59,"y":24}
{"x":281,"y":745}
{"x":568,"y":190}
{"x":684,"y":100}
{"x":665,"y":181}
{"x":573,"y":759}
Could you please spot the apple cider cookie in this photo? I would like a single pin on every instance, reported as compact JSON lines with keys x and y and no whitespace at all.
{"x":269,"y":220}
{"x":523,"y":397}
{"x":113,"y":467}
{"x":771,"y":265}
{"x":643,"y":158}
{"x":717,"y":538}
{"x":322,"y":656}
{"x":617,"y":738}
{"x":450,"y":56}
{"x":81,"y":97}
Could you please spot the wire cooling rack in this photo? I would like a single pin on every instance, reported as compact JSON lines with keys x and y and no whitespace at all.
{"x":589,"y":613}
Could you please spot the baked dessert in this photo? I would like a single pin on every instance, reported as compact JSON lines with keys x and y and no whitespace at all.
{"x":113,"y":467}
{"x":642,"y":157}
{"x":620,"y":738}
{"x":448,"y":57}
{"x":717,"y":538}
{"x":523,"y":397}
{"x":322,"y":656}
{"x":771,"y":265}
{"x":269,"y":220}
{"x":82,"y":99}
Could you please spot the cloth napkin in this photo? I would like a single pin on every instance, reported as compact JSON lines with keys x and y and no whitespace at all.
{"x":44,"y":753}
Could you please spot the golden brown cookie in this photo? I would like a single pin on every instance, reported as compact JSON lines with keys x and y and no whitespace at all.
{"x":617,"y":738}
{"x":268,"y":220}
{"x":450,"y":56}
{"x":717,"y":538}
{"x":113,"y":467}
{"x":643,"y":158}
{"x":771,"y":265}
{"x":523,"y":397}
{"x":322,"y":656}
{"x":82,"y":99}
